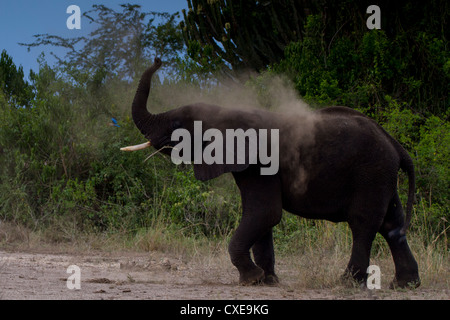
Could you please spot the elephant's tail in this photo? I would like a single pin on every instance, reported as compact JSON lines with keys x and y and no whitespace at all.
{"x":406,"y":164}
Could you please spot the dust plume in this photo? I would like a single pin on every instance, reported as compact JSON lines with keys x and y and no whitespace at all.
{"x":266,"y":91}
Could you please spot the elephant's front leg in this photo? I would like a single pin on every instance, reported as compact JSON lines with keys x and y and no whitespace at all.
{"x":265,"y":257}
{"x":261,"y":204}
{"x":239,"y":248}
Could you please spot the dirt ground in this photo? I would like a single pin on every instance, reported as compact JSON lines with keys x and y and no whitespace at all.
{"x":155,"y":275}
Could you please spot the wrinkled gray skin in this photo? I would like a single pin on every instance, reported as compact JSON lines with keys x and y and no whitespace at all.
{"x":342,"y":168}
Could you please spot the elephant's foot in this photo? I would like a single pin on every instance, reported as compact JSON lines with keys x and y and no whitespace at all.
{"x":411,"y":283}
{"x":253,"y":276}
{"x":353,"y":275}
{"x":271,"y":280}
{"x":351,"y":280}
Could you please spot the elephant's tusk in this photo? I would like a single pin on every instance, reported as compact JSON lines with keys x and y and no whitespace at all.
{"x":137,"y":147}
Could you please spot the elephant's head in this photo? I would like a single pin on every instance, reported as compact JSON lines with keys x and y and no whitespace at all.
{"x":158,"y":128}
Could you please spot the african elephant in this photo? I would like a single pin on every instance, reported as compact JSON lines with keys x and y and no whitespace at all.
{"x":337,"y":165}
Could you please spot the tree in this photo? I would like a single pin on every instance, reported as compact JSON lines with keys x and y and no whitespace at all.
{"x":340,"y":61}
{"x":241,"y":34}
{"x":122,"y":44}
{"x":17,"y":91}
{"x":230,"y":34}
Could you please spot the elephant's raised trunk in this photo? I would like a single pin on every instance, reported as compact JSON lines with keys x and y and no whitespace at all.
{"x":141,"y":116}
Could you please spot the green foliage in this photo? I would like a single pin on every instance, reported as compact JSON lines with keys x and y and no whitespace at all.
{"x":121,"y":43}
{"x":61,"y":166}
{"x":433,"y":160}
{"x":427,"y":139}
{"x":195,"y":206}
{"x":358,"y":69}
{"x":240,"y":34}
{"x":15,"y":89}
{"x":306,"y":62}
{"x":400,"y":122}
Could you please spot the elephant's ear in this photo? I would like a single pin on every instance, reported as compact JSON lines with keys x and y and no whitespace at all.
{"x":241,"y":157}
{"x":204,"y":172}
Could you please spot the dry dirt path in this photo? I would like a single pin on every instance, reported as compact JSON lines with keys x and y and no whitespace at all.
{"x":31,"y":275}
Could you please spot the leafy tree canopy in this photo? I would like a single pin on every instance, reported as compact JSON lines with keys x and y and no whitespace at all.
{"x":16,"y":90}
{"x":123,"y":42}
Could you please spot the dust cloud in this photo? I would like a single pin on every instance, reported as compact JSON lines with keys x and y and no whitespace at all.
{"x":265,"y":91}
{"x":259,"y":91}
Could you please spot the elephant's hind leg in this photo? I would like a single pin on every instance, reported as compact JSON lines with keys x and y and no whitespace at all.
{"x":406,"y":269}
{"x":365,"y":217}
{"x":359,"y":260}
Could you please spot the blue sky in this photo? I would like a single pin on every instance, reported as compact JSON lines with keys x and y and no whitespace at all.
{"x":21,"y":19}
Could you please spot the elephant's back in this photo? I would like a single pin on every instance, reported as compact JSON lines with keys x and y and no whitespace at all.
{"x":340,"y":110}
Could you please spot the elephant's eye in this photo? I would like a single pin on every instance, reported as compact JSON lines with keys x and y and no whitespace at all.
{"x":176,"y":124}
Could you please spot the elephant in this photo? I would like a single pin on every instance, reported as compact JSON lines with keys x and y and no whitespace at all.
{"x":341,"y":167}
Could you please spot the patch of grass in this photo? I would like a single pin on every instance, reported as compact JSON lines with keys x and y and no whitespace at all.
{"x":312,"y":253}
{"x":319,"y":252}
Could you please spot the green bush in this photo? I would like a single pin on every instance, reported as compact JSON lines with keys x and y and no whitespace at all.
{"x":427,"y":139}
{"x":61,"y":166}
{"x":359,"y":68}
